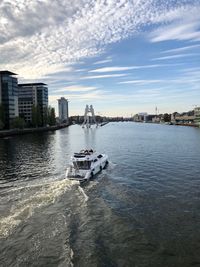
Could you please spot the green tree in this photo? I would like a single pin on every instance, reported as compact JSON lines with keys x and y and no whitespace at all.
{"x":167,"y":117}
{"x":45,"y":116}
{"x":18,"y":123}
{"x":36,"y":116}
{"x":39,"y":117}
{"x":52,"y":116}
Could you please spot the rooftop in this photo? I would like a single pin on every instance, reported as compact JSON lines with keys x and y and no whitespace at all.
{"x":63,"y":98}
{"x":6,"y":72}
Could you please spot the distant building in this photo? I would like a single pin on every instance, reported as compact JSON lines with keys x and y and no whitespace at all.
{"x":156,"y":119}
{"x":33,"y":94}
{"x":8,"y":96}
{"x":197,"y":116}
{"x":140,"y":117}
{"x":150,"y":118}
{"x":184,"y":118}
{"x":63,"y":109}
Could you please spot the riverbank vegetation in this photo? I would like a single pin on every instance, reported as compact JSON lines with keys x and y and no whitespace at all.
{"x":40,"y":118}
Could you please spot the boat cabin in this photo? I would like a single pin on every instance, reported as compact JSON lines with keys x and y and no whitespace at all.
{"x":83,"y":153}
{"x":85,"y":158}
{"x":82,"y":165}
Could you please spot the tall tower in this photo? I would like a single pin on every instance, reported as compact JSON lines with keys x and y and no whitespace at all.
{"x":156,"y":111}
{"x":63,"y":109}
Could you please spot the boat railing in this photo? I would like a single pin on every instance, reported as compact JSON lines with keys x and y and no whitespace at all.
{"x":84,"y":153}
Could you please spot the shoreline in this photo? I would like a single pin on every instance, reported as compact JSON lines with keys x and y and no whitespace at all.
{"x":171,"y":124}
{"x":14,"y":132}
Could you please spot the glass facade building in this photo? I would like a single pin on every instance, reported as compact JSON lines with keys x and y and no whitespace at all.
{"x":63,"y":109}
{"x":8,"y":96}
{"x":32,"y":94}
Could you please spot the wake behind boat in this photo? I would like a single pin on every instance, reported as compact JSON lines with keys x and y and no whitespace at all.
{"x":85,"y":164}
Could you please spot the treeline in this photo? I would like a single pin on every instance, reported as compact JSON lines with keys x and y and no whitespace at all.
{"x":43,"y":117}
{"x":40,"y":118}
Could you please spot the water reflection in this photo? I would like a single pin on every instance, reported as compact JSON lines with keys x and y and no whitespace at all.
{"x":90,"y":137}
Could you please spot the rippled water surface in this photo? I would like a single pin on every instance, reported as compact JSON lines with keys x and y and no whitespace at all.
{"x":143,"y":210}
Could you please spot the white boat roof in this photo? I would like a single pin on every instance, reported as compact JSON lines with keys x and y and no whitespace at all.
{"x":85,"y":155}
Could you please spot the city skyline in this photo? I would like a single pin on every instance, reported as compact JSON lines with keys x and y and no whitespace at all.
{"x":123,"y":57}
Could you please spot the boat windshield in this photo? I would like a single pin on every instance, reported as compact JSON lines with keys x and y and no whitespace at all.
{"x":83,"y":165}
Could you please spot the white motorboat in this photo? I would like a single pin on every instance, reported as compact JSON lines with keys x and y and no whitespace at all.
{"x":85,"y":164}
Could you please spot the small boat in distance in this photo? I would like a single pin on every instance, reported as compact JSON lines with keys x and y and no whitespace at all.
{"x":85,"y":164}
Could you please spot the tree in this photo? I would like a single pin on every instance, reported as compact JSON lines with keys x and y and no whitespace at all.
{"x":45,"y":116}
{"x":52,"y":116}
{"x":39,"y":117}
{"x":18,"y":123}
{"x":166,"y":117}
{"x":36,"y":116}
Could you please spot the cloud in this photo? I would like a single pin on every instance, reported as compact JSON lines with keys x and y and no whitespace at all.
{"x":116,"y":69}
{"x":176,"y":56}
{"x":182,"y":24}
{"x":181,"y":49}
{"x":94,"y":95}
{"x":76,"y":88}
{"x":112,"y":69}
{"x":39,"y":37}
{"x":103,"y":76}
{"x":80,"y":70}
{"x":140,"y":82}
{"x":103,"y":61}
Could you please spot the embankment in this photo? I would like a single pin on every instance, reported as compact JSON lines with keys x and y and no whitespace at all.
{"x":13,"y":132}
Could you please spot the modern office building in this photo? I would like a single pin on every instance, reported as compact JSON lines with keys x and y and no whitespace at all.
{"x":32,"y":94}
{"x":8,"y":96}
{"x":63,"y":109}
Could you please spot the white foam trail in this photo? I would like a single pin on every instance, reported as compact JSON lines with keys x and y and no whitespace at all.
{"x":10,"y":222}
{"x":82,"y":192}
{"x":22,"y":210}
{"x":111,"y":165}
{"x":71,"y":257}
{"x":92,"y":184}
{"x":29,"y":186}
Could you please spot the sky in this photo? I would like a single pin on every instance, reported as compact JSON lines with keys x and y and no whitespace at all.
{"x":122,"y":56}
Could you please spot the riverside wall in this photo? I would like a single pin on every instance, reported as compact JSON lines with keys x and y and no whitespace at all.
{"x":13,"y":132}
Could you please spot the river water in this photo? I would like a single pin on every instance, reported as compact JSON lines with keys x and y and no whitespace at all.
{"x":143,"y":210}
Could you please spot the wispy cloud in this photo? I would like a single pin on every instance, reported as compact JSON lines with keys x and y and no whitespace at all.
{"x":176,"y":56}
{"x":94,"y":95}
{"x":103,"y":76}
{"x":140,"y":82}
{"x":103,"y":61}
{"x":111,"y":69}
{"x":181,"y":49}
{"x":138,"y":67}
{"x":80,"y":70}
{"x":76,"y":88}
{"x":40,"y":37}
{"x":182,"y":24}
